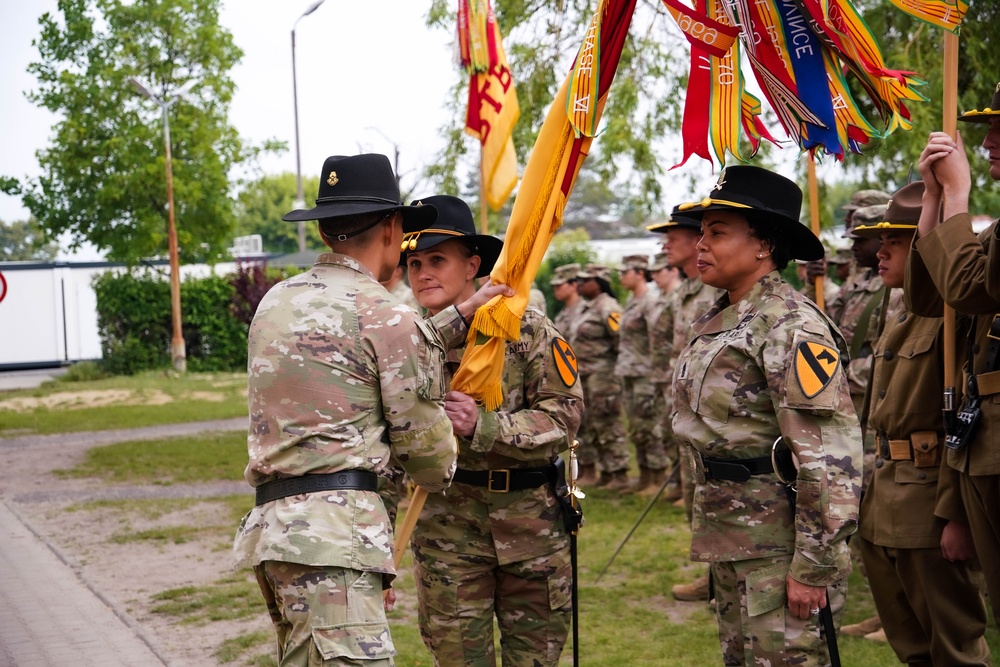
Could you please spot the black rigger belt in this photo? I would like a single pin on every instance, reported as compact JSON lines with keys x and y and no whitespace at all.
{"x":359,"y":480}
{"x":736,"y":470}
{"x":507,"y":479}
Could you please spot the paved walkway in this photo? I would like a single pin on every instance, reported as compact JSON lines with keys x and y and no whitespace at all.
{"x":49,"y":615}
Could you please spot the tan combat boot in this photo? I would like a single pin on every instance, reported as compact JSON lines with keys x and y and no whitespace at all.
{"x":656,"y":478}
{"x":693,"y":592}
{"x":641,"y":484}
{"x":619,"y":481}
{"x":588,"y":474}
{"x":603,"y":480}
{"x":865,"y":627}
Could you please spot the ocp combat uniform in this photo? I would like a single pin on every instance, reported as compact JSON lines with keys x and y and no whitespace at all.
{"x":342,"y":377}
{"x":594,"y":337}
{"x":766,"y":367}
{"x":495,"y":541}
{"x":661,"y":357}
{"x":634,"y":368}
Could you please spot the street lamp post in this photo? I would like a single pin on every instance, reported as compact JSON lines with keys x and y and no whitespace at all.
{"x":177,"y":348}
{"x":300,"y":200}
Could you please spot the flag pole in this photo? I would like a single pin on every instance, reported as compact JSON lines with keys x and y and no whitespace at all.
{"x":814,"y":219}
{"x":409,"y":521}
{"x":950,"y":125}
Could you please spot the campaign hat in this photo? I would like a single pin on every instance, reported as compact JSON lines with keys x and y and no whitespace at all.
{"x":677,"y":219}
{"x":453,"y":221}
{"x":765,"y":197}
{"x":987,"y":114}
{"x":352,"y":185}
{"x":902,"y":213}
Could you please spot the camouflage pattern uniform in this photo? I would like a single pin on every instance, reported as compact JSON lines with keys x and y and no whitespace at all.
{"x":691,"y":300}
{"x":737,"y":388}
{"x":404,"y":293}
{"x":594,"y":337}
{"x":341,"y":377}
{"x":634,"y":368}
{"x":931,"y":608}
{"x":661,"y":353}
{"x":567,"y":316}
{"x":478,"y":553}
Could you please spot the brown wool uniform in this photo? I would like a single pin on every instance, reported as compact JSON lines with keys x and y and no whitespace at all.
{"x":479,"y":553}
{"x":594,"y":337}
{"x":952,"y":259}
{"x":931,"y":609}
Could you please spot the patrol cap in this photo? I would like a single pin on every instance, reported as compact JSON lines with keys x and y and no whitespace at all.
{"x":863,"y":198}
{"x":842,"y":256}
{"x":634,"y":262}
{"x":660,"y":261}
{"x":766,"y":198}
{"x":868,"y":216}
{"x":903,"y":212}
{"x":564,"y":274}
{"x":598,"y":271}
{"x":677,"y":219}
{"x":987,"y":114}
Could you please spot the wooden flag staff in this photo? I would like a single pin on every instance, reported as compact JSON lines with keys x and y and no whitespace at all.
{"x":814,"y":219}
{"x":950,"y":125}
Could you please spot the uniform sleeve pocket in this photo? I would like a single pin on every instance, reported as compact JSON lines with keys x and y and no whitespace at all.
{"x":766,"y":589}
{"x":431,"y":361}
{"x":353,"y":642}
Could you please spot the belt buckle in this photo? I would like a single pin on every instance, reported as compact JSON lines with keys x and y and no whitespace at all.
{"x":503,"y":487}
{"x":993,"y":327}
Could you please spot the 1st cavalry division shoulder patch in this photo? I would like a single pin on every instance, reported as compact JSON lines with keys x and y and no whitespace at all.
{"x":614,"y":320}
{"x":565,"y":360}
{"x":815,"y":366}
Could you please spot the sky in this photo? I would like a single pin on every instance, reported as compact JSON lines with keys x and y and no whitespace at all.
{"x":371,"y":77}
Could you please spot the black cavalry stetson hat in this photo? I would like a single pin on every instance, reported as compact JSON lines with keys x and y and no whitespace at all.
{"x":358,"y":184}
{"x":987,"y":114}
{"x":764,"y":197}
{"x":676,"y":220}
{"x":454,"y":221}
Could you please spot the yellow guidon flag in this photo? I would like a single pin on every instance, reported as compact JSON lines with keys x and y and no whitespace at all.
{"x":548,"y":178}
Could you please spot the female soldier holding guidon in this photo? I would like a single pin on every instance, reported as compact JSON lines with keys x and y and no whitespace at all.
{"x":495,"y":543}
{"x":766,"y":364}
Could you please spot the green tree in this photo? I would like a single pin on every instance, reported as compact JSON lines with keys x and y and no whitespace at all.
{"x":259,"y":208}
{"x":25,"y":241}
{"x":643,"y":107}
{"x":103,"y":177}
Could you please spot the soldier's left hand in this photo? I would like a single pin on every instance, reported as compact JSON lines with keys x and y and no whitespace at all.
{"x":804,"y":600}
{"x":462,"y":411}
{"x":389,"y":599}
{"x":956,"y":542}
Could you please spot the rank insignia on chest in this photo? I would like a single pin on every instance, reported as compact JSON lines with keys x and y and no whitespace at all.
{"x":614,"y":321}
{"x":565,"y":360}
{"x":815,"y":366}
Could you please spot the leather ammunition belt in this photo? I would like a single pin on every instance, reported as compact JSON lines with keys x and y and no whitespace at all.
{"x":507,"y":479}
{"x":359,"y":480}
{"x":736,"y":470}
{"x":920,"y":447}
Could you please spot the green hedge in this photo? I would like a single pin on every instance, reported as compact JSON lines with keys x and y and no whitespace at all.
{"x":134,"y":320}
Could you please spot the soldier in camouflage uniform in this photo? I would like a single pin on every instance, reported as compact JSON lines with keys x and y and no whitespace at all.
{"x":672,"y":331}
{"x":563,"y":284}
{"x":915,"y":537}
{"x":594,"y":337}
{"x":494,"y":544}
{"x":633,"y":369}
{"x":398,"y":288}
{"x":342,"y":377}
{"x":667,"y":278}
{"x":765,"y":363}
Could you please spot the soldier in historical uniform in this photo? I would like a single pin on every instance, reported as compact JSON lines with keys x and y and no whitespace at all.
{"x":594,"y":337}
{"x":633,"y":369}
{"x":494,"y":544}
{"x":563,"y":284}
{"x":765,"y":364}
{"x":342,"y":377}
{"x":691,"y":300}
{"x":948,"y":256}
{"x":915,"y":538}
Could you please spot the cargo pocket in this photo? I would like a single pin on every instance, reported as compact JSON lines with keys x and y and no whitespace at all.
{"x":926,"y":449}
{"x":560,"y":585}
{"x":766,"y":593}
{"x":354,"y":643}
